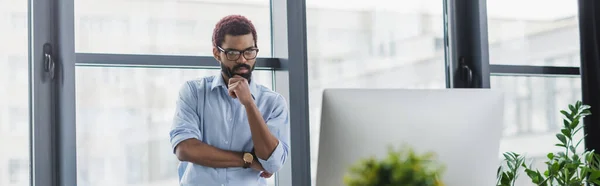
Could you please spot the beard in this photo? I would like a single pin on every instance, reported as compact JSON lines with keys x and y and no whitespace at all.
{"x":232,"y":72}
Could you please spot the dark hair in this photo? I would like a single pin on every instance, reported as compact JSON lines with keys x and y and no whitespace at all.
{"x":234,"y":25}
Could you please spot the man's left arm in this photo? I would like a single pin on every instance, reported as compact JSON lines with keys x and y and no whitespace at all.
{"x":271,"y":137}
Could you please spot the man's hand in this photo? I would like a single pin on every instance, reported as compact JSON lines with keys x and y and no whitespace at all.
{"x":266,"y":175}
{"x":257,"y":166}
{"x":239,"y":88}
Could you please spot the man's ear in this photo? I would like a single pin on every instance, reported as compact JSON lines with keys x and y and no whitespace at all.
{"x":216,"y":54}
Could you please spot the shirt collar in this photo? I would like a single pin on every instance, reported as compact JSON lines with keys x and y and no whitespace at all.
{"x":219,"y":82}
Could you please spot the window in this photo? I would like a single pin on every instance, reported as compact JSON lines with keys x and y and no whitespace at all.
{"x":533,"y":103}
{"x":439,"y":43}
{"x":110,"y":28}
{"x":392,"y":48}
{"x":367,"y":51}
{"x":150,"y":162}
{"x":14,"y":94}
{"x":18,"y":124}
{"x":17,"y":171}
{"x":136,"y":162}
{"x":123,"y":127}
{"x":522,"y":33}
{"x":19,"y":22}
{"x":160,"y":151}
{"x":13,"y":169}
{"x":171,"y":33}
{"x":532,"y":117}
{"x":18,"y":71}
{"x":160,"y":25}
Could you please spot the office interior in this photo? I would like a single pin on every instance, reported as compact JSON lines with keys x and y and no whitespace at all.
{"x":89,"y":86}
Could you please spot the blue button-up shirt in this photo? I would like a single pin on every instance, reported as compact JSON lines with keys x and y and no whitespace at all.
{"x":206,"y":112}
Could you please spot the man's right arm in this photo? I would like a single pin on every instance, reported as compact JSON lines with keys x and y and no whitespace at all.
{"x":186,"y":136}
{"x":198,"y":152}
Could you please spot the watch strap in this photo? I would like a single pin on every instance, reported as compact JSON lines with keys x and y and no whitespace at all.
{"x":254,"y":155}
{"x":246,"y":165}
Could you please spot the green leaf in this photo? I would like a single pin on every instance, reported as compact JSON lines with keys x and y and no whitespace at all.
{"x":510,"y":166}
{"x":578,"y":104}
{"x":572,"y":149}
{"x":566,"y":114}
{"x":566,"y":123}
{"x":595,"y":175}
{"x":508,"y":157}
{"x":535,"y":177}
{"x":562,"y":138}
{"x":573,"y":109}
{"x":555,"y":167}
{"x":585,"y":107}
{"x":589,"y":156}
{"x":560,"y":145}
{"x":586,"y":113}
{"x":576,"y":158}
{"x":550,"y":155}
{"x":498,"y":171}
{"x":584,"y":170}
{"x":505,"y":180}
{"x":574,"y":123}
{"x":566,"y":132}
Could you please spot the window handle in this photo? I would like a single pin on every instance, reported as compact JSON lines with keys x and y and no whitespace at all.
{"x":467,"y":73}
{"x":49,"y":64}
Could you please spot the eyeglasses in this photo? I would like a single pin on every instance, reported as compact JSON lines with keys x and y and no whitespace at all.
{"x":234,"y":55}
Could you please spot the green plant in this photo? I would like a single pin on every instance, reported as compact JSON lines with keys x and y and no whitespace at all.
{"x":565,"y":168}
{"x":403,"y":167}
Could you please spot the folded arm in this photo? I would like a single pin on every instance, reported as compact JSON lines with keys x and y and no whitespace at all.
{"x":271,"y":137}
{"x":198,"y":152}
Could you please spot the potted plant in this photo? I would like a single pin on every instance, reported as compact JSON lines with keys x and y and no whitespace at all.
{"x":401,"y":167}
{"x":565,"y":168}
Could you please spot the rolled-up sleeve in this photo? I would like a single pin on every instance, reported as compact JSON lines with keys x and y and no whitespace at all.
{"x":278,"y":124}
{"x":186,"y":120}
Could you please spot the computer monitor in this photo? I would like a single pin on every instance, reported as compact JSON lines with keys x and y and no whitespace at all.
{"x":462,"y":126}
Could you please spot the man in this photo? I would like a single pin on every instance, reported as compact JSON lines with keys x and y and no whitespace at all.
{"x":228,"y":130}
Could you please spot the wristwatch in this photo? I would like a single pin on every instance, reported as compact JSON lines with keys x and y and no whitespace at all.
{"x":248,"y":158}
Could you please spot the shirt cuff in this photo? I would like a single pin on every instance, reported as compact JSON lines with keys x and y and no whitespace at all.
{"x":275,"y":161}
{"x":178,"y":138}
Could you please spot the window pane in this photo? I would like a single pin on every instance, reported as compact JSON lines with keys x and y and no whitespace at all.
{"x":532,"y":114}
{"x":162,"y":27}
{"x":520,"y":32}
{"x":363,"y":50}
{"x":14,"y":100}
{"x":123,"y":120}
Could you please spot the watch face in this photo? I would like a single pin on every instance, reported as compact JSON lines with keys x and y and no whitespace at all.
{"x":248,"y":157}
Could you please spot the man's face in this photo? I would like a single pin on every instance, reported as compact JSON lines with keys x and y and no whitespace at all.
{"x":237,"y":55}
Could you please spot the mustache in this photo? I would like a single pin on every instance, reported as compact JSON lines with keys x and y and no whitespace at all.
{"x":237,"y":67}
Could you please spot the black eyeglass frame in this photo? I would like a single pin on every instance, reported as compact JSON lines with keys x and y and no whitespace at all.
{"x":241,"y":53}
